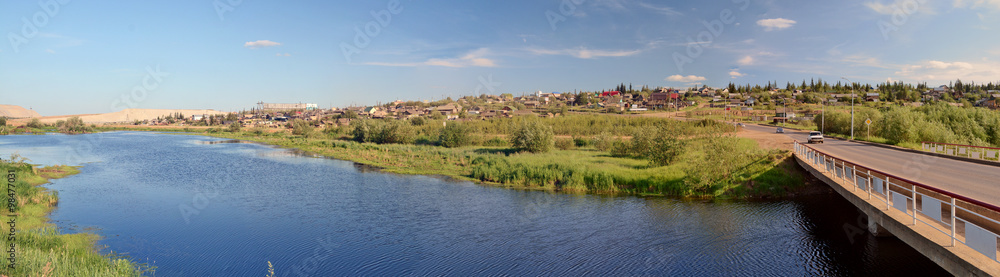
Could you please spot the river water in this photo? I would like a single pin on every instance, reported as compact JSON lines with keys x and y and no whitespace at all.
{"x":201,"y":206}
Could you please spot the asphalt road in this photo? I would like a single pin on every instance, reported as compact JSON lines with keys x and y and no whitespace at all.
{"x":972,"y":180}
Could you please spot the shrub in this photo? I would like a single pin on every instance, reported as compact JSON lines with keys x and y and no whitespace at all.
{"x":565,"y":144}
{"x":74,"y":125}
{"x":234,"y":127}
{"x":301,"y":127}
{"x":581,"y":142}
{"x":455,"y":135}
{"x":417,"y":121}
{"x":496,"y":142}
{"x":3,"y":121}
{"x":533,"y":136}
{"x":603,"y":141}
{"x":35,"y":123}
{"x":394,"y":131}
{"x":258,"y":130}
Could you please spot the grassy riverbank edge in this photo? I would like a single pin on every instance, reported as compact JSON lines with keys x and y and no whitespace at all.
{"x":772,"y":177}
{"x":39,"y":248}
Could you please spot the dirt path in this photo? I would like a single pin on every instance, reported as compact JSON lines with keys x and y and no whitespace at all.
{"x":767,"y":140}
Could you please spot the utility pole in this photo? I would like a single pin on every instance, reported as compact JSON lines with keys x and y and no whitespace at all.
{"x":852,"y":106}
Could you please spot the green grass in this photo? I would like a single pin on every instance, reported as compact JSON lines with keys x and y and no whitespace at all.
{"x":41,"y":250}
{"x":583,"y":170}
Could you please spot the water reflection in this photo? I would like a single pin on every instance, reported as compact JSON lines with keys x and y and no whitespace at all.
{"x":227,"y":208}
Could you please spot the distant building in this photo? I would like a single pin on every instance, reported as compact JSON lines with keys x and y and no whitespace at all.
{"x":282,"y":106}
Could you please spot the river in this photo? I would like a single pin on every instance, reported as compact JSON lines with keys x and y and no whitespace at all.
{"x":201,"y":206}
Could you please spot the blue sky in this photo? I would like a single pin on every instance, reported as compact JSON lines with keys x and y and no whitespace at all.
{"x":73,"y":57}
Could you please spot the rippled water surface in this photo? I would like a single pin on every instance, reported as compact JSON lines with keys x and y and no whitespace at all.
{"x":193,"y":207}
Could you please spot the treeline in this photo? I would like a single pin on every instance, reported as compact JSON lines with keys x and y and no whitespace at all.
{"x":938,"y":122}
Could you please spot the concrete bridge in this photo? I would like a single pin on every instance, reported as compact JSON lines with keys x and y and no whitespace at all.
{"x":947,"y":209}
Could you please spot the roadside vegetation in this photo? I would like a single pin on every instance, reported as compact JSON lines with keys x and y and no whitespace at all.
{"x":909,"y":126}
{"x":41,"y":250}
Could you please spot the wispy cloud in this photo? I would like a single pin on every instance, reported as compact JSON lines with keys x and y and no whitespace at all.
{"x":283,"y":55}
{"x":900,"y":6}
{"x":260,"y":44}
{"x":685,"y":79}
{"x":658,"y":9}
{"x":584,"y":53}
{"x":50,"y":51}
{"x":776,"y":23}
{"x":995,"y":4}
{"x":941,"y":71}
{"x":472,"y":59}
{"x":735,"y":73}
{"x":747,"y":60}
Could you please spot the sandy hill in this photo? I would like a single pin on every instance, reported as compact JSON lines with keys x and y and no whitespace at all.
{"x":129,"y":115}
{"x":11,"y":111}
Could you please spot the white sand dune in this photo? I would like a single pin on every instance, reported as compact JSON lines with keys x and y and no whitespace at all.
{"x":12,"y":111}
{"x":129,"y":115}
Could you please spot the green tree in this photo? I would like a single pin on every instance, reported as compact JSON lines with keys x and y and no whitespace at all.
{"x":533,"y":136}
{"x":3,"y":121}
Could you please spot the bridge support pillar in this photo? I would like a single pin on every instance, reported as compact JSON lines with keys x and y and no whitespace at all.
{"x":875,"y":228}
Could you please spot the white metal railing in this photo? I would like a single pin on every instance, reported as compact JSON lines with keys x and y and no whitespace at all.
{"x":959,"y":217}
{"x":968,"y":151}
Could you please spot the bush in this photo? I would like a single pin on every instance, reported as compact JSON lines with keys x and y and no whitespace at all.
{"x":455,"y":135}
{"x":533,"y":136}
{"x":74,"y":125}
{"x":395,"y":131}
{"x":301,"y":127}
{"x":603,"y":141}
{"x":417,"y":121}
{"x":3,"y":121}
{"x":35,"y":123}
{"x":581,"y":142}
{"x":234,"y":127}
{"x":496,"y":142}
{"x":565,"y":144}
{"x":258,"y":130}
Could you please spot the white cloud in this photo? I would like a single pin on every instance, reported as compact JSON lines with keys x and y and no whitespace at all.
{"x":50,"y":51}
{"x":775,"y":23}
{"x":978,"y":3}
{"x":748,"y":60}
{"x":904,"y":6}
{"x":685,"y":79}
{"x":584,"y":53}
{"x":283,"y":55}
{"x":662,"y":10}
{"x":260,"y":44}
{"x":735,"y":73}
{"x":472,"y":59}
{"x":943,"y":72}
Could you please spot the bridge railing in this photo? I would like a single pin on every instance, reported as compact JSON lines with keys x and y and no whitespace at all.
{"x":968,"y":151}
{"x":963,"y":219}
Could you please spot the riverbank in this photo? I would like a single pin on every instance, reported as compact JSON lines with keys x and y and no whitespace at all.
{"x":39,"y":248}
{"x":740,"y":169}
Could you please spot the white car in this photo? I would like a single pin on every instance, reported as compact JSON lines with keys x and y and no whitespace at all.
{"x":815,"y":137}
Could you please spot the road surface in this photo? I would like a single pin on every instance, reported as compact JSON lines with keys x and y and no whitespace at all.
{"x":972,"y":180}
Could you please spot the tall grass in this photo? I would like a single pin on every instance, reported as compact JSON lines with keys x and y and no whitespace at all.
{"x":40,"y":249}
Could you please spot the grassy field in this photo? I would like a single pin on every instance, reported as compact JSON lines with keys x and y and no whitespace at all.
{"x":744,"y":170}
{"x":40,"y":249}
